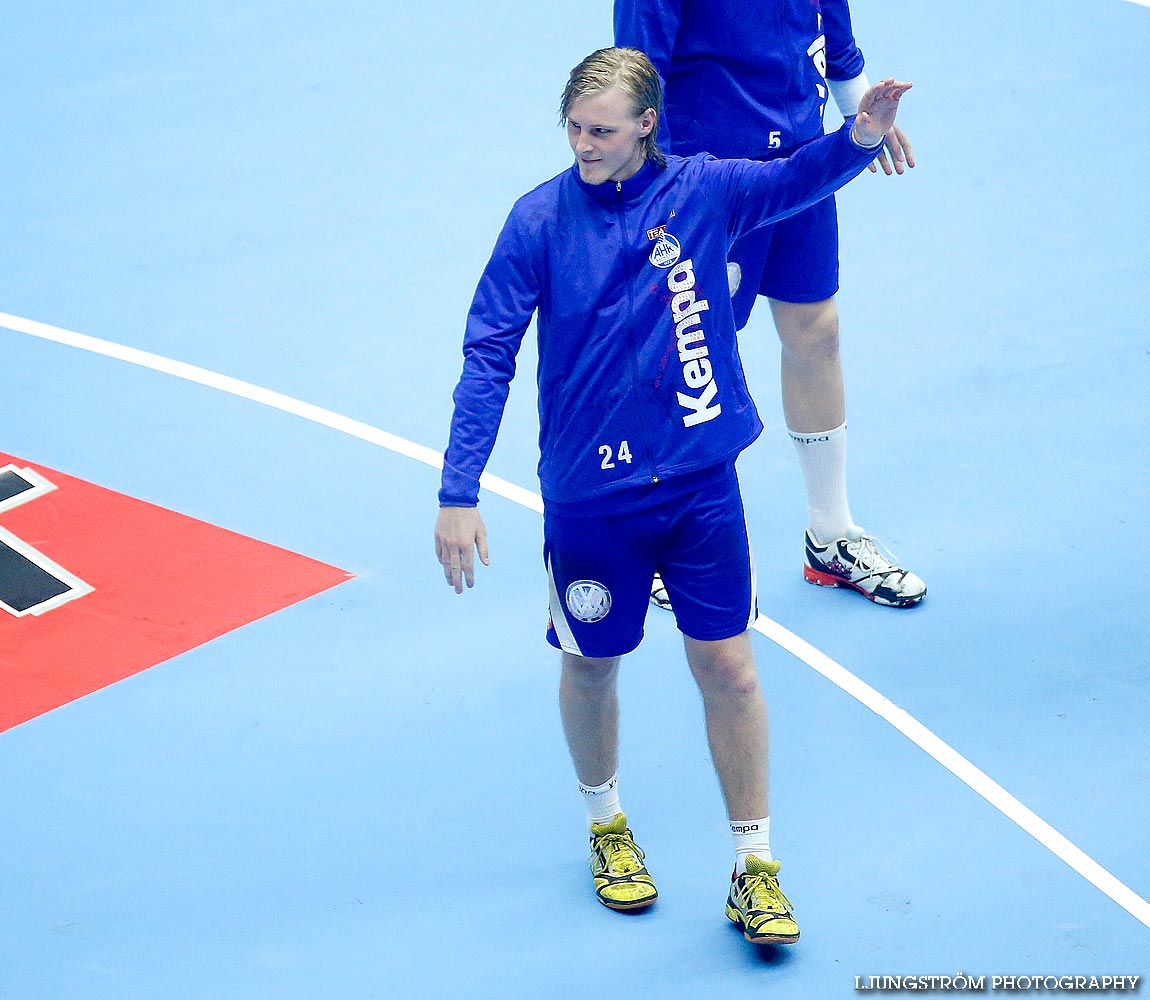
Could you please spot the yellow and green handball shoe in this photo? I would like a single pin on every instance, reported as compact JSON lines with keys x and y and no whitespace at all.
{"x":758,"y":907}
{"x":622,"y":881}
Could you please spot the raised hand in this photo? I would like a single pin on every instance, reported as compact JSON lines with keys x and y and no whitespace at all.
{"x":877,"y":110}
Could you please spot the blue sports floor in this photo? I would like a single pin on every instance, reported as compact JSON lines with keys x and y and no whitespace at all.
{"x":366,"y":794}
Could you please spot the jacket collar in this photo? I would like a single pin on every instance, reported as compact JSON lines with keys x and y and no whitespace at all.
{"x":613,"y":192}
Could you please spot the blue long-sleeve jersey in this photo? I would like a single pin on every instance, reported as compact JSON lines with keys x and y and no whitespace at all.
{"x":741,"y":77}
{"x":639,"y":374}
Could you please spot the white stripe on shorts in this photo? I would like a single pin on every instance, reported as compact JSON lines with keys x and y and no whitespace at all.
{"x":559,"y":616}
{"x":754,"y":612}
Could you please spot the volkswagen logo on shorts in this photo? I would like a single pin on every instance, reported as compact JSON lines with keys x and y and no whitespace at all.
{"x":588,"y":601}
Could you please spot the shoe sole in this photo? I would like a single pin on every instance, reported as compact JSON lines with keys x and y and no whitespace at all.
{"x":639,"y":904}
{"x":733,"y":916}
{"x":820,"y":579}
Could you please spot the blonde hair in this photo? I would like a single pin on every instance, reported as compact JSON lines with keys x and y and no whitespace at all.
{"x":632,"y":72}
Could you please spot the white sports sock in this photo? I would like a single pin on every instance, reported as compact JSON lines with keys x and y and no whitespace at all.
{"x":823,"y":460}
{"x":602,"y":801}
{"x":751,"y":836}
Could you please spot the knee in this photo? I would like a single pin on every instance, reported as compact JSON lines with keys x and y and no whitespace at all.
{"x":729,"y":672}
{"x":809,"y":329}
{"x":589,"y":672}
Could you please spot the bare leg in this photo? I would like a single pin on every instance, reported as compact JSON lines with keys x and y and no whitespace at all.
{"x":736,"y":715}
{"x":812,"y":374}
{"x":589,"y":705}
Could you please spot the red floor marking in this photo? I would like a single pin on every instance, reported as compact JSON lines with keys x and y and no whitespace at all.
{"x":165,"y":583}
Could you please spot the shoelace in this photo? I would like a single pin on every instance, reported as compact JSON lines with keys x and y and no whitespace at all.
{"x":872,"y":556}
{"x":620,"y":853}
{"x":764,"y":894}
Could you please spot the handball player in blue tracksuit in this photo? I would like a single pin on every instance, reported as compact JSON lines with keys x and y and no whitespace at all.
{"x":643,"y":409}
{"x":751,"y":78}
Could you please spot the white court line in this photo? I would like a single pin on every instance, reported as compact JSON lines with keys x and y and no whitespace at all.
{"x":258,"y":394}
{"x":910,"y":727}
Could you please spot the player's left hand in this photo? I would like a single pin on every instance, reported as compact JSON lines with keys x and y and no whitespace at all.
{"x":901,"y":153}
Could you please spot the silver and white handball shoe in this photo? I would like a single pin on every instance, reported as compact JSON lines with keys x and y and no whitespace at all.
{"x":864,"y":564}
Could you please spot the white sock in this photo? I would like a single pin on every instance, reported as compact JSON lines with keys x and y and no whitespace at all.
{"x":602,"y":801}
{"x":823,"y":460}
{"x":751,"y":836}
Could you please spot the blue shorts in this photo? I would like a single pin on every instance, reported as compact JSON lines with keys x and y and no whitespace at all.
{"x":796,"y":260}
{"x":600,"y":567}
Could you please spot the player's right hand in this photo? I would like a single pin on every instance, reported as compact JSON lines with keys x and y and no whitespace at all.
{"x":459,"y":534}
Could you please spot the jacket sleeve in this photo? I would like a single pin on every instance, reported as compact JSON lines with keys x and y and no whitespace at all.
{"x":844,"y":59}
{"x":500,"y":313}
{"x":651,"y":26}
{"x":756,"y":193}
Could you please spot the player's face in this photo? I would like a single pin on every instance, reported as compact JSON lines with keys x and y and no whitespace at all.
{"x":606,"y":135}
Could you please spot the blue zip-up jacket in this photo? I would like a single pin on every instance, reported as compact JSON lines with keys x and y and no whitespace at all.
{"x":741,"y":77}
{"x":639,"y":373}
